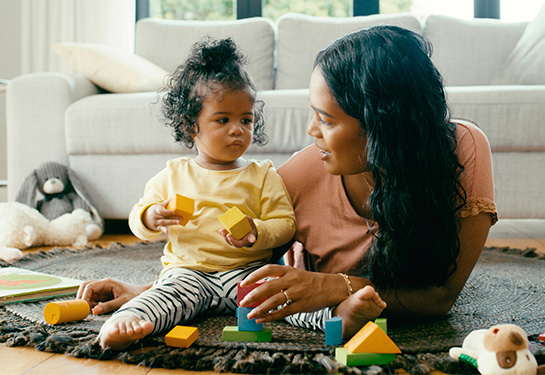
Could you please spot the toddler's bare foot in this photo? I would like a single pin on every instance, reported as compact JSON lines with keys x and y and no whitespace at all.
{"x":123,"y":331}
{"x":358,"y":309}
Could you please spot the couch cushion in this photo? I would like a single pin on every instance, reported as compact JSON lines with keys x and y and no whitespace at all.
{"x":111,"y":69}
{"x":469,"y":52}
{"x":117,"y":124}
{"x":301,"y":37}
{"x":526,"y":63}
{"x":510,"y":116}
{"x":167,"y":43}
{"x":130,"y":124}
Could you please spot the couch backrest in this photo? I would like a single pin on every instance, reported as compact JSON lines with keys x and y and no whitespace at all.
{"x":301,"y":37}
{"x":166,"y":43}
{"x":469,"y":52}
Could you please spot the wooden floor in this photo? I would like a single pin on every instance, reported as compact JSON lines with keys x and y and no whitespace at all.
{"x":28,"y":361}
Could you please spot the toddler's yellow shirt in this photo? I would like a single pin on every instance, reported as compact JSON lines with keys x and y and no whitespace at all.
{"x":255,"y":188}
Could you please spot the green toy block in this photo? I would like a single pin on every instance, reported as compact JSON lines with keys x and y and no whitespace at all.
{"x":382,"y":324}
{"x":343,"y":356}
{"x":231,"y":333}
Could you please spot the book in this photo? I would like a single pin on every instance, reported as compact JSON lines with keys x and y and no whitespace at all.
{"x":21,"y":285}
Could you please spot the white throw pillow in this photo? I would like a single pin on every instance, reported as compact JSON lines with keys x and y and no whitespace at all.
{"x":526,"y":63}
{"x":110,"y":69}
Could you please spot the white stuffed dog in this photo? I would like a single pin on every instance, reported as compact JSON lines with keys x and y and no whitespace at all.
{"x":22,"y":227}
{"x":502,"y":349}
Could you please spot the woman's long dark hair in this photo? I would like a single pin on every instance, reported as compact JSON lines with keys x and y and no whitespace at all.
{"x":383,"y":76}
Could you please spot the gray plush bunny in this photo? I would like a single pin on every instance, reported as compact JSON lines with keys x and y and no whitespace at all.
{"x":54,"y":190}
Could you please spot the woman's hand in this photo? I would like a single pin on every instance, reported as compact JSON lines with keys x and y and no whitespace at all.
{"x":247,"y":240}
{"x":159,"y":218}
{"x":106,"y":295}
{"x":307,"y":291}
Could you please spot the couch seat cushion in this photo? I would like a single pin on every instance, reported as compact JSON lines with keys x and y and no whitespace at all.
{"x":117,"y":124}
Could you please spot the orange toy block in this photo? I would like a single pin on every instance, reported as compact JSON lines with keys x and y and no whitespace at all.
{"x":66,"y":311}
{"x":183,"y":206}
{"x":236,"y":222}
{"x":181,"y":336}
{"x":371,"y":339}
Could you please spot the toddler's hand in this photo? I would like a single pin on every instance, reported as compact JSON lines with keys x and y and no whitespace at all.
{"x":248,"y":240}
{"x":159,"y":218}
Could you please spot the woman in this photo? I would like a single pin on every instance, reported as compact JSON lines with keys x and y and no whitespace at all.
{"x":396,"y":198}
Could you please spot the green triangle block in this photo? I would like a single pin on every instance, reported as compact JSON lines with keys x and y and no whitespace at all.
{"x":343,"y":356}
{"x":231,"y":333}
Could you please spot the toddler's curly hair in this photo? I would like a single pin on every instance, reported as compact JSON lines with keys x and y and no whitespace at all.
{"x":212,"y":66}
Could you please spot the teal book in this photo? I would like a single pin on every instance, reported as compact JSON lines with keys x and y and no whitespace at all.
{"x":20,"y":285}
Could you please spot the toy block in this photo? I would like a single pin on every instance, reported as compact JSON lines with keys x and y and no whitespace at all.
{"x":245,"y":324}
{"x":334,"y":331}
{"x":371,"y":339}
{"x":242,"y":292}
{"x":236,"y":222}
{"x":231,"y":333}
{"x":66,"y":311}
{"x":381,"y":322}
{"x":181,"y":336}
{"x":343,"y":356}
{"x":183,"y":206}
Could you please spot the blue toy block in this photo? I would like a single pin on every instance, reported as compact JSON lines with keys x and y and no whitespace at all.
{"x":245,"y":324}
{"x":334,"y":331}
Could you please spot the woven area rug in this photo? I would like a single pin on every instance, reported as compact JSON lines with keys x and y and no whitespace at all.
{"x":507,"y":286}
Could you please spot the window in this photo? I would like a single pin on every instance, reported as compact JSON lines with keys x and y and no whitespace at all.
{"x":514,"y":11}
{"x":322,"y":8}
{"x":511,"y":10}
{"x":458,"y":8}
{"x":192,"y":9}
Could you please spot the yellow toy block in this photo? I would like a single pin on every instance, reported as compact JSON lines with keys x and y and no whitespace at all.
{"x":371,"y":339}
{"x":236,"y":222}
{"x":66,"y":311}
{"x":183,"y":206}
{"x":181,"y":336}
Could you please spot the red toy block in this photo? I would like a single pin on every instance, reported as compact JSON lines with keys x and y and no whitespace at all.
{"x":242,"y":292}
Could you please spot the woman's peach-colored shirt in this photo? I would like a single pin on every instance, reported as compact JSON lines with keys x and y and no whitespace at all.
{"x":332,"y":237}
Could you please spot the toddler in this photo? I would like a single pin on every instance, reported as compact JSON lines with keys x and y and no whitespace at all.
{"x":210,"y":103}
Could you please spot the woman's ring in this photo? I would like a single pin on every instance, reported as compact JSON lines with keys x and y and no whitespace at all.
{"x":288,"y":300}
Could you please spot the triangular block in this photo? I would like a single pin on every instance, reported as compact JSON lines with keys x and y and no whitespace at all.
{"x":371,"y":339}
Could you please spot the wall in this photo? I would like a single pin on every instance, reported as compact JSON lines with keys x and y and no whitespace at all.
{"x":10,"y":67}
{"x":10,"y":38}
{"x":108,"y":22}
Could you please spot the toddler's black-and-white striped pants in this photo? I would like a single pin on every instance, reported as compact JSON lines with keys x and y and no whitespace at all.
{"x":181,"y":294}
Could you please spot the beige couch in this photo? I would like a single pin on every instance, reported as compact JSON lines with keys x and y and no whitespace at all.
{"x":115,"y":141}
